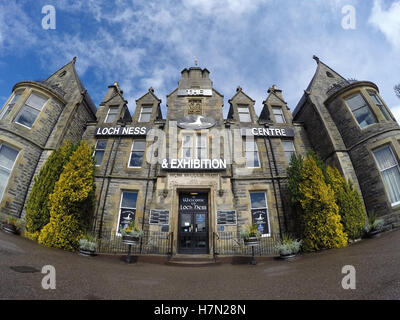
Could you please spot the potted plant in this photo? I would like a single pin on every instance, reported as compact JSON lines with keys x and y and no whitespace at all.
{"x":131,"y":234}
{"x":87,"y":245}
{"x":288,"y":247}
{"x":251,"y":235}
{"x":374,"y":226}
{"x":11,"y":225}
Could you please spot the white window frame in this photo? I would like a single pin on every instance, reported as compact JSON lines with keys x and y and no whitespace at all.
{"x":194,"y":146}
{"x":382,"y":170}
{"x":96,"y":149}
{"x":149,"y":113}
{"x":381,"y":106}
{"x":245,"y":141}
{"x":366,"y":105}
{"x":7,"y":169}
{"x":108,"y":113}
{"x":120,"y":208}
{"x":130,"y":156}
{"x":10,"y":103}
{"x":40,"y":110}
{"x":287,"y":151}
{"x":246,"y":113}
{"x":266,"y":207}
{"x":279,"y":108}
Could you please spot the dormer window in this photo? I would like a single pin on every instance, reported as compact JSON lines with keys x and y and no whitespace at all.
{"x":244,"y":113}
{"x":361,"y":110}
{"x":278,"y":114}
{"x":30,"y":110}
{"x":145,"y":113}
{"x":112,"y":114}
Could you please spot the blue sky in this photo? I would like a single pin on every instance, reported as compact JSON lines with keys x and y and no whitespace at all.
{"x":253,"y":44}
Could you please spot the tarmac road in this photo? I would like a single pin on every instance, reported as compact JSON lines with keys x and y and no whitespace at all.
{"x":309,"y":276}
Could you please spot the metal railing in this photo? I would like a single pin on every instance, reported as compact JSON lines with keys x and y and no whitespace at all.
{"x":151,"y":243}
{"x":224,"y":243}
{"x":229,"y":243}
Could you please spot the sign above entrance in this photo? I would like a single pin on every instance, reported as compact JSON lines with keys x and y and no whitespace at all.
{"x":195,"y":92}
{"x":160,"y":217}
{"x":226,"y":217}
{"x":195,"y":122}
{"x":194,"y":164}
{"x":121,"y":131}
{"x":268,"y":132}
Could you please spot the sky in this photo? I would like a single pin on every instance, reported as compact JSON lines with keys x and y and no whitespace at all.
{"x":253,"y":44}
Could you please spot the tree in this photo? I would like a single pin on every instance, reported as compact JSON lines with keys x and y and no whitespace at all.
{"x":397,"y":90}
{"x":294,"y":179}
{"x":72,"y":201}
{"x":349,"y":202}
{"x":37,"y":211}
{"x":321,"y":219}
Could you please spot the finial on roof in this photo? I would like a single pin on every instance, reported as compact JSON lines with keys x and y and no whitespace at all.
{"x":316,"y":58}
{"x":73,"y":60}
{"x":239,"y":88}
{"x":272,"y":89}
{"x":151,"y":90}
{"x":195,"y":61}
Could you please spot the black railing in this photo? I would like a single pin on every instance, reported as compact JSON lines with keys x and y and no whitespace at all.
{"x":151,"y":243}
{"x":230,"y":244}
{"x":223,"y":243}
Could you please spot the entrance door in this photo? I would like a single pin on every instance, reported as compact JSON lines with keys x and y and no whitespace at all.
{"x":193,"y":223}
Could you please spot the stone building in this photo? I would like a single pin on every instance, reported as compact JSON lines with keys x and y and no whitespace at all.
{"x":195,"y":174}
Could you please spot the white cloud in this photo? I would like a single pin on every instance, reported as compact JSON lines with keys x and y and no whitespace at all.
{"x":387,"y":21}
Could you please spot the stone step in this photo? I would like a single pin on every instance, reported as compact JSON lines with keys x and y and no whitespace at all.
{"x":192,"y":261}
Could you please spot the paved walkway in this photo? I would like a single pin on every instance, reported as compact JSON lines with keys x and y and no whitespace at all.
{"x":310,"y":276}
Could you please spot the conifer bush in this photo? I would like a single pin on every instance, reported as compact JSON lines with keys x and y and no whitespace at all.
{"x":320,"y":213}
{"x":349,"y":202}
{"x":37,"y":211}
{"x":72,"y":201}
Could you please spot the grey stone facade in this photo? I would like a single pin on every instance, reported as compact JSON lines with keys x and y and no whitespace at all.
{"x":321,"y":121}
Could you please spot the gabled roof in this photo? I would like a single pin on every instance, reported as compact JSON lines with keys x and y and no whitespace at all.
{"x":239,"y":91}
{"x":324,"y":78}
{"x":151,"y":93}
{"x":65,"y":83}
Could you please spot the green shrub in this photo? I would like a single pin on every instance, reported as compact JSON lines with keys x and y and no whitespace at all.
{"x":72,"y":201}
{"x":37,"y":210}
{"x":321,"y":219}
{"x":349,"y":202}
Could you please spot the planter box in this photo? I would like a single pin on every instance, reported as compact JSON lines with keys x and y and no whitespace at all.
{"x":85,"y":252}
{"x":287,"y":256}
{"x":374,"y":234}
{"x":252,"y":241}
{"x":10,"y":228}
{"x":131,"y":240}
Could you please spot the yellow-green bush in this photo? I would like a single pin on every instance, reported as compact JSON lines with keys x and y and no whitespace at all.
{"x":321,"y":219}
{"x":37,"y":210}
{"x":349,"y":202}
{"x":72,"y":201}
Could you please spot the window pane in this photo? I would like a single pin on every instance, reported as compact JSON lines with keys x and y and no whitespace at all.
{"x":385,"y":158}
{"x":129,"y":200}
{"x":278,"y":113}
{"x":98,"y":155}
{"x":380,"y":105}
{"x":7,"y":156}
{"x":356,"y":102}
{"x":186,"y":153}
{"x":391,"y":177}
{"x":187,"y":141}
{"x":252,"y":159}
{"x":112,"y":114}
{"x":101,"y":144}
{"x":36,"y":101}
{"x":139,"y":145}
{"x":27,"y":116}
{"x":364,"y":117}
{"x":258,"y":200}
{"x":4,"y":174}
{"x":145,"y":117}
{"x":136,"y":159}
{"x":250,"y":146}
{"x":244,"y":117}
{"x":288,"y":145}
{"x":147,"y":109}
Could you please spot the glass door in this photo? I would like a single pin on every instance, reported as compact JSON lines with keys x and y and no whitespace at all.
{"x":193,"y":223}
